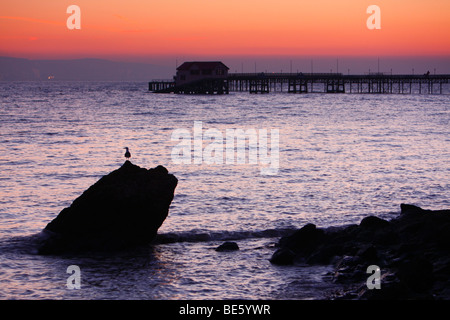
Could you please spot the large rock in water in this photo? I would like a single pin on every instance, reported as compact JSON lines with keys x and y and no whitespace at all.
{"x":122,"y":209}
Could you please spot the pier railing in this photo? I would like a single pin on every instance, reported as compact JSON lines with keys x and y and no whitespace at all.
{"x":337,"y":83}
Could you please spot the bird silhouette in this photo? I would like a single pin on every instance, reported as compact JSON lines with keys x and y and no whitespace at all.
{"x":127,"y":153}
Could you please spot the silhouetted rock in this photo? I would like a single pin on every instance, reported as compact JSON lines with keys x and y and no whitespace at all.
{"x":283,"y":256}
{"x":124,"y":208}
{"x":372,"y":222}
{"x":412,"y":251}
{"x":228,"y":246}
{"x":369,"y":254}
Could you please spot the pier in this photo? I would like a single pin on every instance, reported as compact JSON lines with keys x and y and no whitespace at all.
{"x":300,"y":83}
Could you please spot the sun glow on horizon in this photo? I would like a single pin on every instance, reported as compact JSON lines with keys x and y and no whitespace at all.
{"x":224,"y":27}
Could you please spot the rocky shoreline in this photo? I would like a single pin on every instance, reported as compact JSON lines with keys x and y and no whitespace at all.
{"x":412,"y":252}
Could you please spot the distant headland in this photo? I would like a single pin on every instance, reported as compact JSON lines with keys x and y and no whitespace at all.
{"x":18,"y":69}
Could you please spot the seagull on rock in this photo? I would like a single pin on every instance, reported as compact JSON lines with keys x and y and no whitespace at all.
{"x":127,"y":153}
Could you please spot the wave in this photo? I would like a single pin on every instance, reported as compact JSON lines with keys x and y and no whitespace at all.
{"x":30,"y":244}
{"x":222,"y":235}
{"x":20,"y":244}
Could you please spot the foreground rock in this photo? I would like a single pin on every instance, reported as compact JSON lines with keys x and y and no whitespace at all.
{"x":228,"y":246}
{"x":412,"y":251}
{"x":122,"y":209}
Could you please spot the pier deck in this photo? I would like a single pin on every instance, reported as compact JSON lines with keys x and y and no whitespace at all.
{"x":376,"y":83}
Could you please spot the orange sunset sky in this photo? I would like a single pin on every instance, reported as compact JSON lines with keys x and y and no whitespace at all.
{"x":137,"y":30}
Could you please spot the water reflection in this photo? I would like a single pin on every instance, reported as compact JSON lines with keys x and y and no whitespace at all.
{"x":342,"y":157}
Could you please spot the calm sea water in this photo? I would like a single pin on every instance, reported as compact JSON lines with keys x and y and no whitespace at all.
{"x":342,"y":157}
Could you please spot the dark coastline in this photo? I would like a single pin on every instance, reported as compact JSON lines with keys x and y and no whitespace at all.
{"x":412,"y":252}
